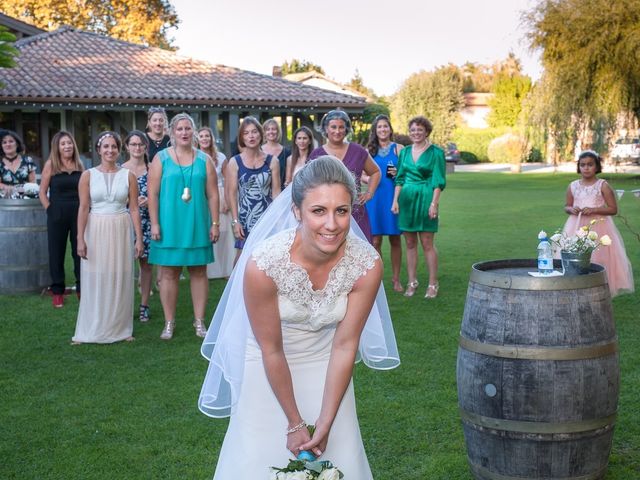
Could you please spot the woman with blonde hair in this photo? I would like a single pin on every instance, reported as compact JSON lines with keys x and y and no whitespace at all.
{"x":223,"y":249}
{"x":184,"y":212}
{"x":59,"y":197}
{"x":272,"y":146}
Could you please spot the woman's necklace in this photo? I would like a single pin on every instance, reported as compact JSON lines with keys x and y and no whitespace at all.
{"x":12,"y":159}
{"x":186,"y":191}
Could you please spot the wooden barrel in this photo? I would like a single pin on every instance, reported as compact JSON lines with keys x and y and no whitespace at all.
{"x":538,"y":374}
{"x":24,"y":255}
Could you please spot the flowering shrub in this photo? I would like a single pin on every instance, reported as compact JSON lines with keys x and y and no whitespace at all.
{"x":584,"y":240}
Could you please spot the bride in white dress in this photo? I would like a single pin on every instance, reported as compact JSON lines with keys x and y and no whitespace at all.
{"x":299,"y":310}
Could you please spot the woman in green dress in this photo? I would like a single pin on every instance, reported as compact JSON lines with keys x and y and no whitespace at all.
{"x":419,"y":183}
{"x":183,"y":208}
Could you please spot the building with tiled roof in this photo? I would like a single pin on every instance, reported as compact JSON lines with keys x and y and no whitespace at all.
{"x":85,"y":83}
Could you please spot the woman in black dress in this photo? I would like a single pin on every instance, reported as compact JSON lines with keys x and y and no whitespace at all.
{"x":60,"y":177}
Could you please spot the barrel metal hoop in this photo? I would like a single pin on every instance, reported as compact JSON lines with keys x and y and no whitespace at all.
{"x":486,"y":473}
{"x":24,"y":268}
{"x":519,"y":426}
{"x":517,"y":282}
{"x":25,"y":229}
{"x":539,"y":353}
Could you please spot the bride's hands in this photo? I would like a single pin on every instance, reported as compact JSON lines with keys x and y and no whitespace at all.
{"x":296,"y":439}
{"x":318,"y":443}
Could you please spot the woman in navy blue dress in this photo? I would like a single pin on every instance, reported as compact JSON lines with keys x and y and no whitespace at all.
{"x":253,"y":181}
{"x":383,"y":222}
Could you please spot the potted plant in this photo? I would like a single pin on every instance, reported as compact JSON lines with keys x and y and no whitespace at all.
{"x":576,"y":249}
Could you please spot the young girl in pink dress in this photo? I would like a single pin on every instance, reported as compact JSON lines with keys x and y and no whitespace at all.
{"x":591,"y":198}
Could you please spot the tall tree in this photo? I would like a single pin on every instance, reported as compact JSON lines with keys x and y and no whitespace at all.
{"x":436,"y":95}
{"x":590,"y":53}
{"x":300,"y":66}
{"x":146,"y":22}
{"x":509,"y":92}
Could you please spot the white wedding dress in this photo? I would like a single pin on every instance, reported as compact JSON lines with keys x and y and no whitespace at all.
{"x":256,"y":439}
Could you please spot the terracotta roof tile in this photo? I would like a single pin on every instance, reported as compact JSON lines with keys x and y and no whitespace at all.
{"x":70,"y":64}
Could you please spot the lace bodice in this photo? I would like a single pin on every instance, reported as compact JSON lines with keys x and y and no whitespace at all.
{"x":587,"y":196}
{"x":109,"y":191}
{"x":300,"y":305}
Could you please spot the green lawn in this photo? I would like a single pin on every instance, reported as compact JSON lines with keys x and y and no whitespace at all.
{"x":128,"y":411}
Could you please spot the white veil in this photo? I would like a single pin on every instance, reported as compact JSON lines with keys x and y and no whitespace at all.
{"x":225,"y":343}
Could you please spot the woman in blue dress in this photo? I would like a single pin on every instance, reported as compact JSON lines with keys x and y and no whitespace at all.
{"x":383,"y":222}
{"x":183,"y":207}
{"x":253,"y":181}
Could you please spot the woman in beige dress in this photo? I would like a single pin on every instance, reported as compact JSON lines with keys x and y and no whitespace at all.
{"x":106,"y":246}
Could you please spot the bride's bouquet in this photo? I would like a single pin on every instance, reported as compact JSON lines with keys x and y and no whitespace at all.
{"x":306,"y":470}
{"x":306,"y":467}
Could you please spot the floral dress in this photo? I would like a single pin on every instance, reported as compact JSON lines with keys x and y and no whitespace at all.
{"x":21,"y":175}
{"x":144,"y":214}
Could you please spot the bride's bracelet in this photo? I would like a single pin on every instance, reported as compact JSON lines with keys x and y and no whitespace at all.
{"x":297,"y":428}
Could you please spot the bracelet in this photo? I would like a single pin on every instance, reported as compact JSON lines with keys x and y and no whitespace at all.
{"x":434,"y":205}
{"x":215,"y":224}
{"x":234,"y":222}
{"x":297,"y":428}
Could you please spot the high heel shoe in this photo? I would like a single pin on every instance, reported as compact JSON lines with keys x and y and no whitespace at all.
{"x":167,"y":331}
{"x":411,"y":288}
{"x":397,"y":286}
{"x":201,"y":330}
{"x":432,"y":290}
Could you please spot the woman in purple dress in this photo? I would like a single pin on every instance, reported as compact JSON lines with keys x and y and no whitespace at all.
{"x":336,"y":125}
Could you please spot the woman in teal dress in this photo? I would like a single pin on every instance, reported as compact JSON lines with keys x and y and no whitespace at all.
{"x":419,"y":183}
{"x":183,"y":207}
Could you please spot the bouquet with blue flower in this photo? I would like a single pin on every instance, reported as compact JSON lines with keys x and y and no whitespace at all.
{"x":307,"y":467}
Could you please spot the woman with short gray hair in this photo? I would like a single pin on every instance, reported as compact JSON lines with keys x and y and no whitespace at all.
{"x":336,"y":125}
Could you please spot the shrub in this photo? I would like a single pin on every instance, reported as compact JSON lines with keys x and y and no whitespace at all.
{"x":535,"y":155}
{"x":476,"y":140}
{"x":508,"y":148}
{"x":468,"y":157}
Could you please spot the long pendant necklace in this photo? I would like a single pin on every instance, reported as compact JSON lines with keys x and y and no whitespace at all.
{"x":186,"y":191}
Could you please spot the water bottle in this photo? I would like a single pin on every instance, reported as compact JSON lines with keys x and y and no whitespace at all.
{"x":545,"y":255}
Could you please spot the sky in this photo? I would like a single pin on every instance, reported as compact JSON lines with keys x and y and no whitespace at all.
{"x":385,"y":41}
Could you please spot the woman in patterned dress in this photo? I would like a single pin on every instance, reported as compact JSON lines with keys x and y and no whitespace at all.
{"x":15,"y":167}
{"x":136,"y":145}
{"x":253,"y":181}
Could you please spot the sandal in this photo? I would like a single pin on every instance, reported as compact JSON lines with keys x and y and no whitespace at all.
{"x":411,"y":288}
{"x":144,"y":313}
{"x":432,"y":290}
{"x":167,"y":331}
{"x":397,"y":286}
{"x":201,"y":330}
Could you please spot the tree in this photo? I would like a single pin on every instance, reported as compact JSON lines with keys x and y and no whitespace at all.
{"x":7,"y":51}
{"x":146,"y":22}
{"x":590,"y":55}
{"x":300,"y":66}
{"x":357,"y":84}
{"x":437,"y":95}
{"x":509,"y":93}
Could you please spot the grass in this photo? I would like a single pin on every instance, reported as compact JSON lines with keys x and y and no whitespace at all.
{"x":128,"y":411}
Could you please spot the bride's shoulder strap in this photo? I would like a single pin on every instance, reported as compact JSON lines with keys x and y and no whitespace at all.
{"x":360,"y":257}
{"x":271,"y":254}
